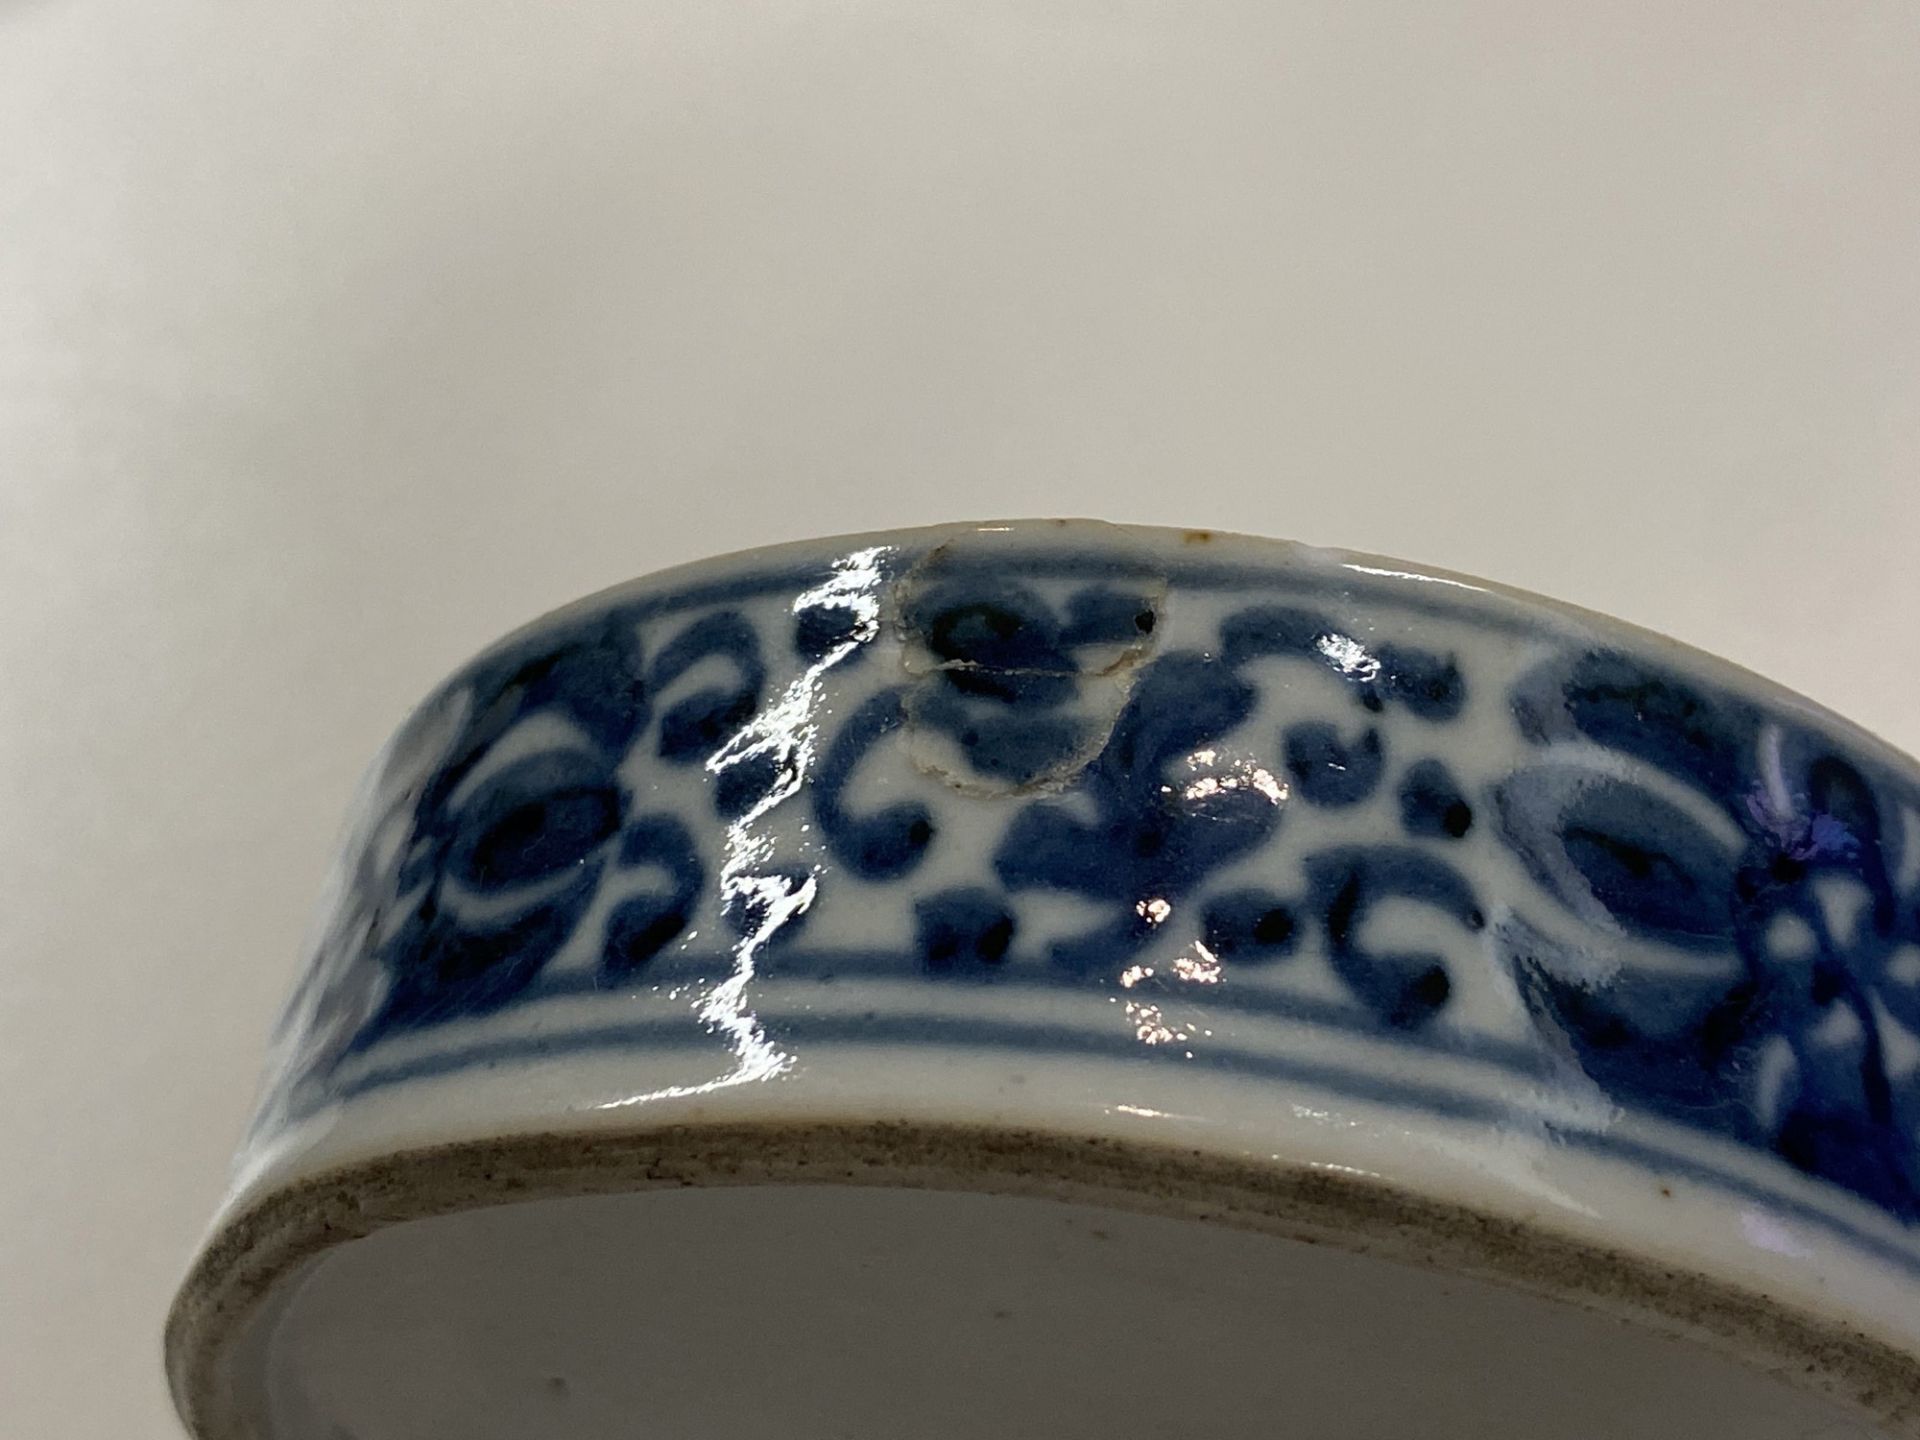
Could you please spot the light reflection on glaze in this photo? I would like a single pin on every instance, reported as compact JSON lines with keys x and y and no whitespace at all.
{"x":787,"y":732}
{"x":1348,"y":656}
{"x":1769,"y":1233}
{"x":1414,"y":575}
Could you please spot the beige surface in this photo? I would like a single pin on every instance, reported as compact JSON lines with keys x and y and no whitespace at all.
{"x":335,"y":339}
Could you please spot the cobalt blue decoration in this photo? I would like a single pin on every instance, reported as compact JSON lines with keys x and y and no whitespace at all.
{"x":1169,"y":781}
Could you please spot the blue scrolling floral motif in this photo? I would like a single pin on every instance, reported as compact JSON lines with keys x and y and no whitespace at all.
{"x":502,"y":860}
{"x":1705,"y":906}
{"x":1147,"y":837}
{"x":1691,"y":820}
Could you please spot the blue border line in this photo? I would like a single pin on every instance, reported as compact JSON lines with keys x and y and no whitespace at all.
{"x":827,"y":967}
{"x":1045,"y":1040}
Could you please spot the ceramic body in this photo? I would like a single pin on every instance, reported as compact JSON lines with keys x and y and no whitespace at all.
{"x":1157,"y":871}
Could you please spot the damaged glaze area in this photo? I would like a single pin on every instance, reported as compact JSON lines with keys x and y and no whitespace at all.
{"x":1019,"y":674}
{"x":1151,"y":800}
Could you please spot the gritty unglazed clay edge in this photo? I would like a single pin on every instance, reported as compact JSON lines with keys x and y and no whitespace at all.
{"x":1309,"y":893}
{"x":268,"y":1243}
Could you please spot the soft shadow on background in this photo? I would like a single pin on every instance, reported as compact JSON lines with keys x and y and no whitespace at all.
{"x":337,"y":339}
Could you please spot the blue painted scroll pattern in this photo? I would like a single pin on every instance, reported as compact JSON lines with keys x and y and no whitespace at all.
{"x":1682,"y":820}
{"x":1709,"y":909}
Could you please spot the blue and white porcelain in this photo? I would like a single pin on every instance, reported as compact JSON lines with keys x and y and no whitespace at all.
{"x":932,"y":983}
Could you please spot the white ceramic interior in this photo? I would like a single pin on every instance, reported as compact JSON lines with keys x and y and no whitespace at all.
{"x":822,"y":1313}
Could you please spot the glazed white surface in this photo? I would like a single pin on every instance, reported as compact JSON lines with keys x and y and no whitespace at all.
{"x":336,"y":341}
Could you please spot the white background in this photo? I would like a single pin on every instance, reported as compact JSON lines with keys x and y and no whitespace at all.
{"x":336,"y":339}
